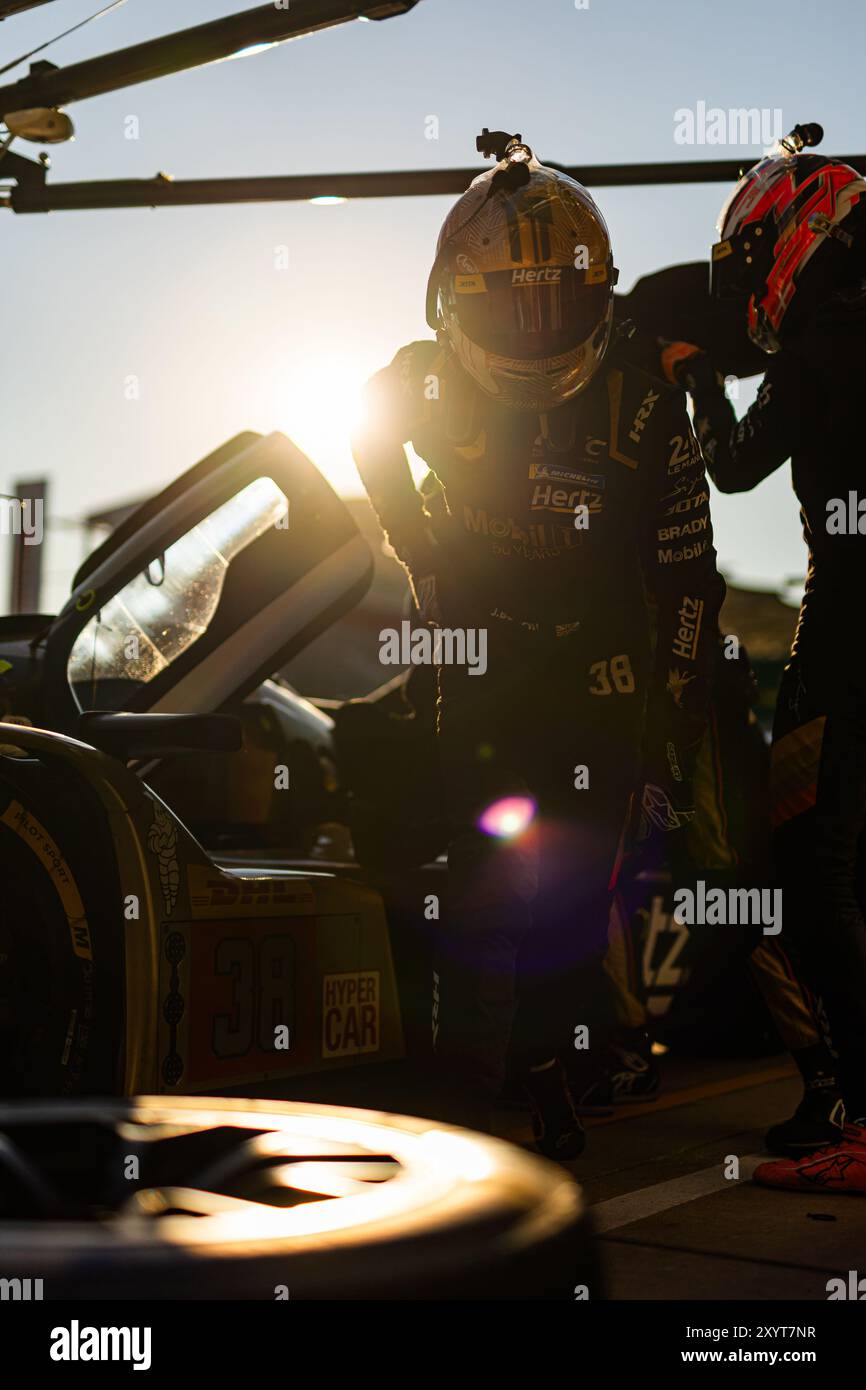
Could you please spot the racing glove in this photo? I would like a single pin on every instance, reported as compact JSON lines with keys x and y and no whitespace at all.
{"x":660,"y":837}
{"x":675,"y":359}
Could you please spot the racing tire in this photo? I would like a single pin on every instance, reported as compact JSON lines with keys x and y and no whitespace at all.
{"x":61,"y":937}
{"x":195,"y":1198}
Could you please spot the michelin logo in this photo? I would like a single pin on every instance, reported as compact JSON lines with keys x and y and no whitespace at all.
{"x":560,"y":473}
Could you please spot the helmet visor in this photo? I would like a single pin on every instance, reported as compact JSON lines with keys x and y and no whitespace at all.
{"x":529,"y":313}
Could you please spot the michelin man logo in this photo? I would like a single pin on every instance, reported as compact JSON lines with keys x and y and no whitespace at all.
{"x":162,"y":841}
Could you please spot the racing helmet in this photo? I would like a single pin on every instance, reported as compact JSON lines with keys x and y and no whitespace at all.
{"x":781,"y":235}
{"x":522,"y":284}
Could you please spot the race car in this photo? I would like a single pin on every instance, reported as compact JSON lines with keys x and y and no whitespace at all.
{"x":132,"y":960}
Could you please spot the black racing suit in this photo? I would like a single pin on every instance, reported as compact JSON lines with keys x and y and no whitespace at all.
{"x":548,"y":532}
{"x":810,"y":409}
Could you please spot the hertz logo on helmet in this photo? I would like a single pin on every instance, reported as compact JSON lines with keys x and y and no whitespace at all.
{"x":549,"y":276}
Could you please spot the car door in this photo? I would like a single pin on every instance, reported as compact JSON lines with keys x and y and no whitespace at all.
{"x":207,"y":588}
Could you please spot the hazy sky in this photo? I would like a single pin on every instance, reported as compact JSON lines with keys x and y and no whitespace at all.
{"x":191,"y":301}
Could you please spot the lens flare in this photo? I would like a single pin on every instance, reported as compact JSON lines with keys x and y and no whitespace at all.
{"x":507,"y":817}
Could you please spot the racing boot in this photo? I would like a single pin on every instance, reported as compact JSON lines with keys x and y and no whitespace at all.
{"x":817,"y":1121}
{"x":839,"y":1167}
{"x":589,"y":1083}
{"x":557,"y":1130}
{"x":634,"y":1075}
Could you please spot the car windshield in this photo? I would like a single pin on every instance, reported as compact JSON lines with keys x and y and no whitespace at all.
{"x":164,"y":610}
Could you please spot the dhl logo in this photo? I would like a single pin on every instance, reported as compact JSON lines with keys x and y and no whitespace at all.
{"x":212,"y":894}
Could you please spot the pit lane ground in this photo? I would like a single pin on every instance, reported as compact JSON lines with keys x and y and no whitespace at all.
{"x":673,"y":1226}
{"x":670,"y":1224}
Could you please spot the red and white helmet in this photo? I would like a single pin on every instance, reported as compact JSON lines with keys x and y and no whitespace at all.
{"x":777,"y":221}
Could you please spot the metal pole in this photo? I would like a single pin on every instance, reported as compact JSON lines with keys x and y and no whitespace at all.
{"x":163,"y":191}
{"x":188,"y":48}
{"x":10,"y":7}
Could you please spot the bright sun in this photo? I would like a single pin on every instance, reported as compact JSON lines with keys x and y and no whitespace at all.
{"x":318,"y":406}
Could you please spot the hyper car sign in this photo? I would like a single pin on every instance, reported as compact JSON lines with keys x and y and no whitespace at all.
{"x":350,"y":1013}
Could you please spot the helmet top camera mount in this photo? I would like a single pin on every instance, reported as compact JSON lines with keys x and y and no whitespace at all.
{"x":495,"y":142}
{"x":509,"y":149}
{"x":802,"y":137}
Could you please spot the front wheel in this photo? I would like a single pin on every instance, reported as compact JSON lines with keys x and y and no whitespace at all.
{"x":169,"y":1198}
